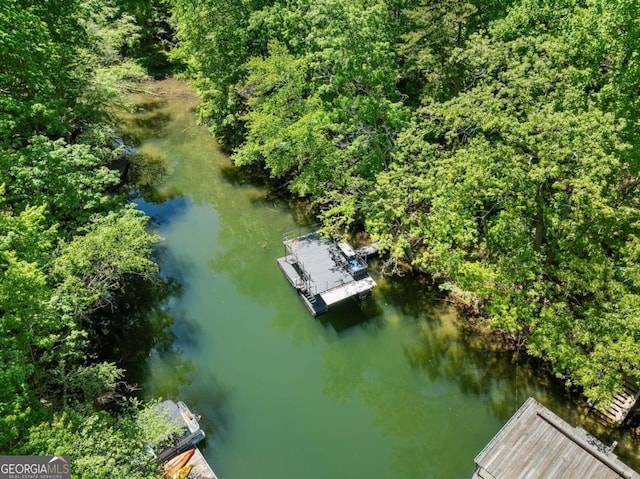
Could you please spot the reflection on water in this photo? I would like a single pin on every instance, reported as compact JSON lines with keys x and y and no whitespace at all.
{"x":146,"y":117}
{"x":146,"y":170}
{"x":351,"y":313}
{"x":394,"y":387}
{"x":138,"y":324}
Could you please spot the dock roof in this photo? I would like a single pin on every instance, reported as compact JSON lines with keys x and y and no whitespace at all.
{"x":317,"y":256}
{"x":536,"y":443}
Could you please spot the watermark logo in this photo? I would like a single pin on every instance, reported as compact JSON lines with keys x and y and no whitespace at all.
{"x":35,"y":467}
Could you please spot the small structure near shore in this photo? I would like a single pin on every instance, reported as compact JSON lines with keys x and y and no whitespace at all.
{"x":324,"y":271}
{"x":198,"y":466}
{"x":535,"y":443}
{"x":621,"y":405}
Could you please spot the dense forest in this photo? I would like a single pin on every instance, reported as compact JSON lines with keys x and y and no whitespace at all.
{"x":490,"y":144}
{"x":69,"y":244}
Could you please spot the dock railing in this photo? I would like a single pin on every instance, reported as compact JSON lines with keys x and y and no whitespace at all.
{"x":305,"y":277}
{"x":301,"y":231}
{"x":309,"y":285}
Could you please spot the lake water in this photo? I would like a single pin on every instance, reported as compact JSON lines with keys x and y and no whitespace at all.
{"x":396,"y":387}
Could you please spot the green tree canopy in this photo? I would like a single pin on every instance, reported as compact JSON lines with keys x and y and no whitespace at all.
{"x":68,"y":243}
{"x":517,"y":192}
{"x":490,"y":144}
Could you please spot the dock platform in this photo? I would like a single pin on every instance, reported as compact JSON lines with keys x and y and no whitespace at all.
{"x":201,"y":468}
{"x":324,"y":272}
{"x":536,"y":443}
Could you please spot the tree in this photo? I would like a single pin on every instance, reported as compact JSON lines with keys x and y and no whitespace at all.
{"x":215,"y":42}
{"x":103,"y":445}
{"x":67,"y":242}
{"x":91,"y":268}
{"x":516,"y":192}
{"x":287,"y":128}
{"x":36,"y":84}
{"x":25,"y":319}
{"x":70,"y":179}
{"x":323,"y":113}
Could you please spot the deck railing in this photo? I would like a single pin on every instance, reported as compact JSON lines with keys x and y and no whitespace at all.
{"x":307,"y":282}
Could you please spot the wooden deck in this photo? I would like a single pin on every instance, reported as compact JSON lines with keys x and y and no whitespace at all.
{"x":201,"y":468}
{"x":535,"y":443}
{"x":325,"y":272}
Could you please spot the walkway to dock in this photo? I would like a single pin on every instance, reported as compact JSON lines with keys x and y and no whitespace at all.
{"x":621,"y":405}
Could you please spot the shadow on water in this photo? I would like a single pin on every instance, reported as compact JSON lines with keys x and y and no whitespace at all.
{"x":414,"y":296}
{"x":347,"y":314}
{"x":253,"y":176}
{"x":145,"y":172}
{"x":450,"y":348}
{"x":503,"y":379}
{"x":138,"y":324}
{"x":272,"y":193}
{"x":212,"y":402}
{"x":176,"y":372}
{"x":245,"y":176}
{"x":156,"y":349}
{"x":169,"y":371}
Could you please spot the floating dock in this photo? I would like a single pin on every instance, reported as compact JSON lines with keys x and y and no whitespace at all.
{"x":325,"y":272}
{"x":201,"y":468}
{"x":536,"y":443}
